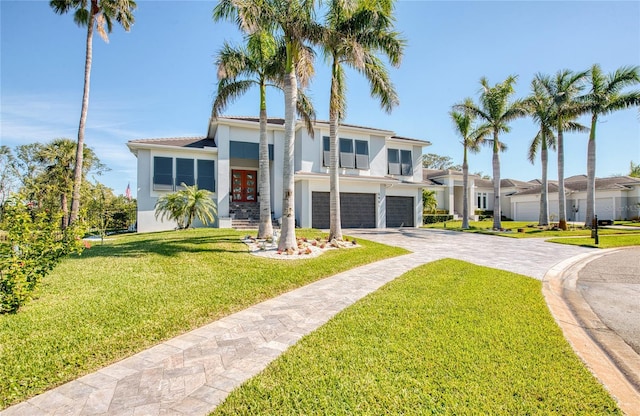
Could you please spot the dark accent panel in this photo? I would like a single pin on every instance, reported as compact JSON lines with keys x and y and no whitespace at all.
{"x":356,"y":210}
{"x":206,"y":172}
{"x":400,"y":211}
{"x":246,"y":150}
{"x":163,"y":172}
{"x":184,"y":172}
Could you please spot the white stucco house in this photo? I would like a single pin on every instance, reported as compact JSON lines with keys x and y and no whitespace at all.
{"x":381,"y":177}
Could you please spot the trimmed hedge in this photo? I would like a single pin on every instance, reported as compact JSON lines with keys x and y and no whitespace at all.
{"x":434,"y":218}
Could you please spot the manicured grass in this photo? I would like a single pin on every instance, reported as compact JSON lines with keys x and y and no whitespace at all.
{"x":529,"y":229}
{"x":136,"y":290}
{"x":605,"y":241}
{"x":446,"y":338}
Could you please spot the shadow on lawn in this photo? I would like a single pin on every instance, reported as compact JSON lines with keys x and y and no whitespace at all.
{"x":170,"y":244}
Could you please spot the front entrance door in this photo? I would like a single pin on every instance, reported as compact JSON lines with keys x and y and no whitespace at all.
{"x":243,"y":185}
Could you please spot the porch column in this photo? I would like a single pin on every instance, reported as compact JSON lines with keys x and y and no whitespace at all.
{"x":224,"y":180}
{"x":451,"y":187}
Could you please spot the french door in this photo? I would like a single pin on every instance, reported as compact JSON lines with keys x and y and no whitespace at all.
{"x":243,"y":185}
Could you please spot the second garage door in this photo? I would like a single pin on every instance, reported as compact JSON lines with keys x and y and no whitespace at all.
{"x":356,"y":210}
{"x":400,"y":211}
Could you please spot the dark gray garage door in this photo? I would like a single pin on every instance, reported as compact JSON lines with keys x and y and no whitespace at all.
{"x":400,"y":211}
{"x":356,"y":210}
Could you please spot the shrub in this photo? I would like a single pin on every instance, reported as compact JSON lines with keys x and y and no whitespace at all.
{"x":432,"y":219}
{"x":32,"y":247}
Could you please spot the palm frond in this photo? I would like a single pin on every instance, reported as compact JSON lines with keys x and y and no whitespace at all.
{"x":228,"y":91}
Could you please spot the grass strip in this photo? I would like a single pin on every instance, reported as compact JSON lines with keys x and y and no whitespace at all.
{"x":137,"y":290}
{"x":447,"y":338}
{"x":605,"y":241}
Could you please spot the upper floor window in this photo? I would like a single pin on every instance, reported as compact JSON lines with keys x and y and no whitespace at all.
{"x":353,"y":153}
{"x":187,"y":171}
{"x":400,"y":162}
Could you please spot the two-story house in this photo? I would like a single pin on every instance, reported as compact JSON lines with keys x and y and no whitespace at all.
{"x":380,"y":173}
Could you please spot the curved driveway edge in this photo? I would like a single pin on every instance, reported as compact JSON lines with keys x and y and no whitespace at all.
{"x":605,"y":353}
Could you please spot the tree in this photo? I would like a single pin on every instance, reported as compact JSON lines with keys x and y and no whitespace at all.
{"x":429,"y":201}
{"x":605,"y":97}
{"x":8,"y":173}
{"x":563,"y":90}
{"x":354,"y":33}
{"x":495,"y":111}
{"x":186,"y":205}
{"x":634,"y":170}
{"x":260,"y":63}
{"x":434,"y":161}
{"x":90,"y":13}
{"x":294,"y":20}
{"x":463,"y":124}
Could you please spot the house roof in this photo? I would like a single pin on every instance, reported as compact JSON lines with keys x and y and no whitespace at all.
{"x":578,"y":183}
{"x":190,"y":142}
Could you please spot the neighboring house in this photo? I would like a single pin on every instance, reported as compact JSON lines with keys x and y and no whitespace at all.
{"x":617,"y":198}
{"x":380,"y":174}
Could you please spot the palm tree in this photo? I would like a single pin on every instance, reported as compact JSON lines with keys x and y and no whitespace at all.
{"x":186,"y":205}
{"x":463,"y":124}
{"x":604,"y":98}
{"x":295,"y":21}
{"x":495,"y":111}
{"x":354,"y":33}
{"x":260,"y":63}
{"x":99,"y":14}
{"x":563,"y":90}
{"x":540,"y":108}
{"x":634,"y":170}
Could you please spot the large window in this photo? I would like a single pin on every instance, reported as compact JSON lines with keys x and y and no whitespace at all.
{"x":482,"y":200}
{"x":185,"y":172}
{"x":162,"y":173}
{"x":400,"y":162}
{"x":353,"y":153}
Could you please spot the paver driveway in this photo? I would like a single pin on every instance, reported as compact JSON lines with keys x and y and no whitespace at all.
{"x":192,"y":373}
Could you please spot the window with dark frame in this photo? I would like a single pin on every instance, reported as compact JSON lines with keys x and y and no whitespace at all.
{"x":347,"y":157}
{"x":362,"y":154}
{"x":406,"y":162}
{"x":185,"y":172}
{"x":325,"y":151}
{"x":206,"y":175}
{"x":393,"y":158}
{"x":162,"y":173}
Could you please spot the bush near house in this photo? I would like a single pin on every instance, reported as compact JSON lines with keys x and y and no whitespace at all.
{"x":435,"y":218}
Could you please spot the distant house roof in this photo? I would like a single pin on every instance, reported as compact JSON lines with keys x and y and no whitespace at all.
{"x":578,"y":183}
{"x":191,"y":142}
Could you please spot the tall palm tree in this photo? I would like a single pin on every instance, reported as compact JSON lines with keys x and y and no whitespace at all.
{"x":495,"y":111}
{"x":563,"y":90}
{"x":260,"y":63}
{"x":605,"y":97}
{"x":294,"y":20}
{"x":99,"y":14}
{"x":463,"y":124}
{"x":354,"y":33}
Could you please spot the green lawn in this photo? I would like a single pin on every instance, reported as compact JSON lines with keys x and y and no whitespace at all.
{"x":446,"y":338}
{"x":605,"y":241}
{"x":136,"y":290}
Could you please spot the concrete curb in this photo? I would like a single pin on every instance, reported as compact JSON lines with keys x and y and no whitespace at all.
{"x":606,"y":355}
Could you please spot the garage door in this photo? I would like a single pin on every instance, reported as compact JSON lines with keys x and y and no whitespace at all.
{"x":356,"y":210}
{"x":527,"y":211}
{"x":400,"y":211}
{"x":604,"y":208}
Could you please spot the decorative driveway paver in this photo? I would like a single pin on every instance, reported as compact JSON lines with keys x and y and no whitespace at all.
{"x":192,"y":373}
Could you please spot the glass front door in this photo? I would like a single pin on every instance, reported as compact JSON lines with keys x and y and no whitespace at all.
{"x":243,"y":185}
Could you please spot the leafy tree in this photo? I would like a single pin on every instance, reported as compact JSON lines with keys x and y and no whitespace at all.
{"x":186,"y":205}
{"x":294,"y":20}
{"x":463,"y":124}
{"x":105,"y":211}
{"x":33,"y":246}
{"x":8,"y":173}
{"x":495,"y":111}
{"x":634,"y":170}
{"x":99,"y":14}
{"x":261,"y":64}
{"x":354,"y":33}
{"x":435,"y":161}
{"x":563,"y":90}
{"x":605,"y":97}
{"x":429,"y":201}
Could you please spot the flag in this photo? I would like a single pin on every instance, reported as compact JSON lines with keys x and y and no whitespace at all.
{"x":127,"y":193}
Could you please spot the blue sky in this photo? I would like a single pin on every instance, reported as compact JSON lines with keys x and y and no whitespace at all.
{"x":159,"y":79}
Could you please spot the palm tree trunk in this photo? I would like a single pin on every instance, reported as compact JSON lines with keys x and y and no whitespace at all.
{"x":288,"y":234}
{"x":497,"y":207}
{"x":64,"y":207}
{"x":465,"y":192}
{"x":562,"y":200}
{"x":591,"y":174}
{"x":265,"y":228}
{"x":335,"y":226}
{"x":77,"y":171}
{"x":544,"y":193}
